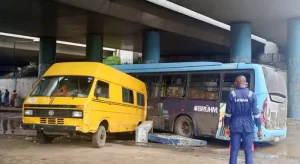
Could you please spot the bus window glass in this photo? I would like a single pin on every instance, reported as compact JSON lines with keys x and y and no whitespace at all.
{"x":276,"y":84}
{"x":174,"y":86}
{"x":140,"y":99}
{"x":152,"y":84}
{"x":102,"y":89}
{"x":274,"y":80}
{"x":63,"y":86}
{"x":204,"y":86}
{"x":127,"y":95}
{"x":228,"y":83}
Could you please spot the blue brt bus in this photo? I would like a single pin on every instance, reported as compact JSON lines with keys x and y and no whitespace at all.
{"x":189,"y":99}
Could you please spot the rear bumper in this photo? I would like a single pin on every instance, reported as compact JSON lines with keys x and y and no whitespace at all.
{"x":54,"y":128}
{"x":273,"y":135}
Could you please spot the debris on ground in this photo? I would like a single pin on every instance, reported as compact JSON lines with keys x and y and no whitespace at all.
{"x":171,"y":139}
{"x":142,"y":131}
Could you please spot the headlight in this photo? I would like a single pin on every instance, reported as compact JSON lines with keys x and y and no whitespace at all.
{"x":28,"y":112}
{"x":77,"y":114}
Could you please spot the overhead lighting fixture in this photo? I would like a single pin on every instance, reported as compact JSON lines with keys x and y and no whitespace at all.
{"x":17,"y":36}
{"x":71,"y":44}
{"x":190,"y":13}
{"x":35,"y":39}
{"x":82,"y":45}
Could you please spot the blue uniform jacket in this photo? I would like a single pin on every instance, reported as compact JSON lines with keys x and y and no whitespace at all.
{"x":241,"y":109}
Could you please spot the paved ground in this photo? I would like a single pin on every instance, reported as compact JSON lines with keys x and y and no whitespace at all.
{"x":288,"y":147}
{"x":13,"y":109}
{"x":15,"y":149}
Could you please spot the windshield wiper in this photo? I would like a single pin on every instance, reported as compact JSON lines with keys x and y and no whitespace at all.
{"x":277,"y":94}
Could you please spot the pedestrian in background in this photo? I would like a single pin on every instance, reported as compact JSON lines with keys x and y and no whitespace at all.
{"x":6,"y":98}
{"x":1,"y":103}
{"x":241,"y":108}
{"x":13,"y":97}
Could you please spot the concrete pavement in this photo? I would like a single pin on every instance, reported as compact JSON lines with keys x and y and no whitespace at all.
{"x":11,"y":119}
{"x":10,"y":109}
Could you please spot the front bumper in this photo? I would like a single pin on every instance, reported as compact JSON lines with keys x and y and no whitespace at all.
{"x":54,"y":128}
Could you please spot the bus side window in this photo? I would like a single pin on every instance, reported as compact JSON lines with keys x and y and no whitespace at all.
{"x":174,"y":86}
{"x":102,"y":89}
{"x":204,"y":86}
{"x":127,"y":95}
{"x":152,"y":84}
{"x":228,"y":83}
{"x":140,"y":99}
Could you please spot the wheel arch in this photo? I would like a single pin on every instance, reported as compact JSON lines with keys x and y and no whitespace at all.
{"x":184,"y":114}
{"x":105,"y":123}
{"x":139,"y":123}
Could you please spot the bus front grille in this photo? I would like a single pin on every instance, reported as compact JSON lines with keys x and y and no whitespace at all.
{"x":60,"y":121}
{"x":43,"y":120}
{"x":52,"y":121}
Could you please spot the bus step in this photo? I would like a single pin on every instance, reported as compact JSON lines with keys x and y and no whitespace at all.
{"x":171,"y":139}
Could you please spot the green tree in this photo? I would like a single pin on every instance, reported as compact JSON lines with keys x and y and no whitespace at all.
{"x":112,"y":60}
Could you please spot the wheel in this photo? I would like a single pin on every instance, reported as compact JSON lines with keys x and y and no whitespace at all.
{"x":42,"y":138}
{"x":99,"y":138}
{"x":184,"y":126}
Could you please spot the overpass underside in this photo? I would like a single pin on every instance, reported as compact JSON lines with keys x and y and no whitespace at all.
{"x":115,"y":24}
{"x":157,"y":31}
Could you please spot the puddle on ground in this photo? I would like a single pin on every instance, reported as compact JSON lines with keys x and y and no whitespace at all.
{"x":10,"y":123}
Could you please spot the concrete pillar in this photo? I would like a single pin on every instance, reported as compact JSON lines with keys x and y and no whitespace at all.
{"x":94,"y":48}
{"x":240,"y":43}
{"x":47,"y":55}
{"x":151,"y":47}
{"x":294,"y":68}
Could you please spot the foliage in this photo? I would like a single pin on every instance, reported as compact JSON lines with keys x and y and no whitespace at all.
{"x":112,"y":60}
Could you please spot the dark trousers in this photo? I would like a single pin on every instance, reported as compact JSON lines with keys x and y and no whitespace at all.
{"x":235,"y":141}
{"x":6,"y":101}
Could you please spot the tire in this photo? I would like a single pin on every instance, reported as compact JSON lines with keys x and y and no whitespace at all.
{"x":184,"y":127}
{"x":99,"y":138}
{"x":42,"y":138}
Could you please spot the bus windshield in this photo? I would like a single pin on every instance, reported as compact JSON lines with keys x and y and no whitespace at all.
{"x":274,"y":80}
{"x":63,"y":86}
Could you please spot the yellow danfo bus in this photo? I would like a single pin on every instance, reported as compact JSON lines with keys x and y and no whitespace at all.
{"x":85,"y":98}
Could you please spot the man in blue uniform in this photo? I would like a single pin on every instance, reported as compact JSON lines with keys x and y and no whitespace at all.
{"x":241,"y":108}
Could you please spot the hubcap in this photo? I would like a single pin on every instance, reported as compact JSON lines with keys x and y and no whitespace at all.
{"x":102,"y":136}
{"x":185,"y":128}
